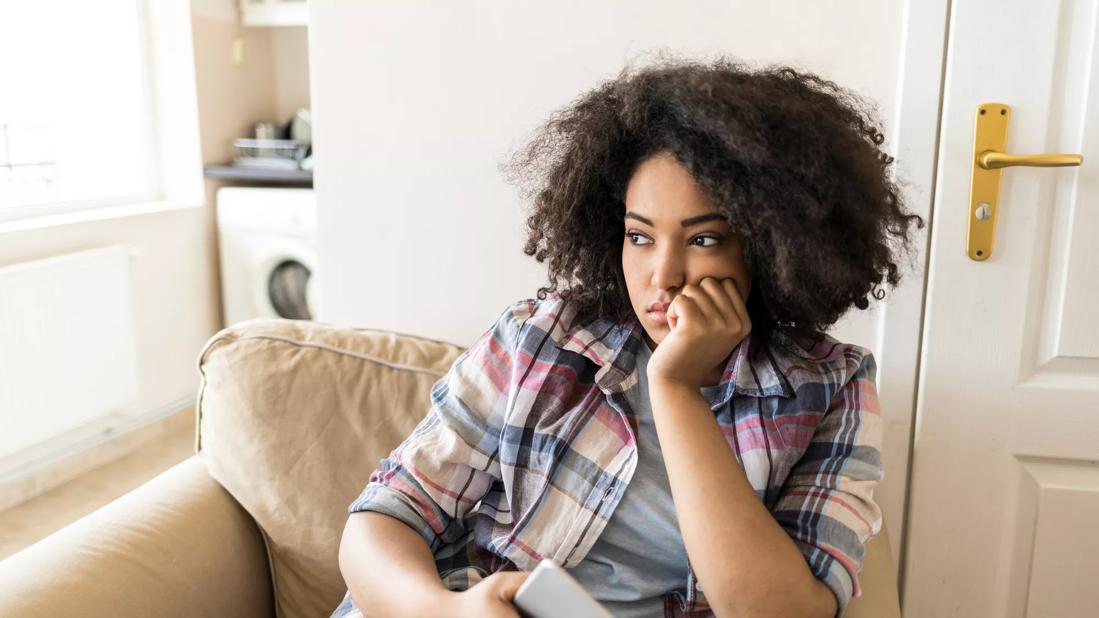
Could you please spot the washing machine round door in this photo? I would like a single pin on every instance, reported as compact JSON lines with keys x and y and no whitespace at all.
{"x":286,"y":289}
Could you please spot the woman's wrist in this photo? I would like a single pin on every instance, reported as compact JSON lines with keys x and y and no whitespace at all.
{"x":672,"y":384}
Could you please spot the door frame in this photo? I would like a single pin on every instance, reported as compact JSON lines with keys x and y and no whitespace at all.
{"x":915,"y":137}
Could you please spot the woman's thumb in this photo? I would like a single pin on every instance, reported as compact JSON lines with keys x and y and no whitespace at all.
{"x":511,"y":582}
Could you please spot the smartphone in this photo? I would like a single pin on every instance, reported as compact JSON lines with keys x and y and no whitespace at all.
{"x":550,"y":592}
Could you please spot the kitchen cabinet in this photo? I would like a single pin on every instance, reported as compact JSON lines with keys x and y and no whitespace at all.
{"x":274,"y":12}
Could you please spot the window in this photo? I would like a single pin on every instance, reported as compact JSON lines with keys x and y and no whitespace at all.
{"x":76,"y":127}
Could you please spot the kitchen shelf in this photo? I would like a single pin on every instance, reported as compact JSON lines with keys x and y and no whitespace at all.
{"x":259,"y":174}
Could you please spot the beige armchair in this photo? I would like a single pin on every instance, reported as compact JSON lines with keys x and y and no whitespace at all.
{"x":292,"y":418}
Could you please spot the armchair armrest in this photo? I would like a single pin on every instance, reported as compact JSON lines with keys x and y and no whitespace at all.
{"x":179,"y":545}
{"x":879,"y":582}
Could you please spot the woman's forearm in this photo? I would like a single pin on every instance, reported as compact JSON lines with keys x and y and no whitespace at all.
{"x":388,"y":567}
{"x":746,"y":562}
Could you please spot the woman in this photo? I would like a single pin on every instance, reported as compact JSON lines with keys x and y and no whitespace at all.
{"x":668,"y":417}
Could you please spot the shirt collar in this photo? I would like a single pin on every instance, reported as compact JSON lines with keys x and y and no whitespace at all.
{"x":757,"y":367}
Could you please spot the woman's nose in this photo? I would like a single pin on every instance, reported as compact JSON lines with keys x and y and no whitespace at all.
{"x":668,"y":271}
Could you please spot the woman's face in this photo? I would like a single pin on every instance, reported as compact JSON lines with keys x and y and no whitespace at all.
{"x":673,"y":237}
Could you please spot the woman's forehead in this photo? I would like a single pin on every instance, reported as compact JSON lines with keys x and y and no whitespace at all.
{"x":661,"y":185}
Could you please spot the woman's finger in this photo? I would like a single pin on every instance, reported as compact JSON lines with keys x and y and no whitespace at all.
{"x":719,"y":295}
{"x":738,"y":301}
{"x":702,"y":302}
{"x":681,"y":306}
{"x":511,"y":581}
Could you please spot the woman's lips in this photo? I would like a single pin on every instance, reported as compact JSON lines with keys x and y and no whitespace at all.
{"x":660,"y":317}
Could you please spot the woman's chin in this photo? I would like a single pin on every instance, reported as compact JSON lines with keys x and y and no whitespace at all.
{"x":654,"y":339}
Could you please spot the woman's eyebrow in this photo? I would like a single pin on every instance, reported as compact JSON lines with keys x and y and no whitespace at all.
{"x":685,"y":223}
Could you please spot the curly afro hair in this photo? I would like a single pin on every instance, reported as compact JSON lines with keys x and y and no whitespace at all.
{"x":792,"y":161}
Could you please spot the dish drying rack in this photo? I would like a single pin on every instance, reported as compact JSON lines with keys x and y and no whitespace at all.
{"x":267,"y":153}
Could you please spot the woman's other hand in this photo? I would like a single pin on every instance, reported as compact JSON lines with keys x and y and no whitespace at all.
{"x":489,"y":598}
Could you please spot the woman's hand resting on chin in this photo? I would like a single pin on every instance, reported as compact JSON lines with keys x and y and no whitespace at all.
{"x":707,"y":321}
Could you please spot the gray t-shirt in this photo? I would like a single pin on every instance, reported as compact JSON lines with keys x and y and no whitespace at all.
{"x":640,"y":555}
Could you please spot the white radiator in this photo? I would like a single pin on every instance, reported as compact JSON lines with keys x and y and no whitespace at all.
{"x":68,"y":350}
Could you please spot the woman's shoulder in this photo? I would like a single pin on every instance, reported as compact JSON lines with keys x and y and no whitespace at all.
{"x":821,"y":356}
{"x":557,"y":320}
{"x":553,"y":314}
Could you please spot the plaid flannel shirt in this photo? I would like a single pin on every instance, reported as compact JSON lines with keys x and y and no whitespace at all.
{"x":529,"y":444}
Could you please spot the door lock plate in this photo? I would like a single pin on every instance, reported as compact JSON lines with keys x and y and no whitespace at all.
{"x":990,"y":133}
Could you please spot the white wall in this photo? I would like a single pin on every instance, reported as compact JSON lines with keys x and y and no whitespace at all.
{"x":417,"y":103}
{"x":290,"y":49}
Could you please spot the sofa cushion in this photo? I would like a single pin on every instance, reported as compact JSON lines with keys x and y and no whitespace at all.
{"x":293,"y":417}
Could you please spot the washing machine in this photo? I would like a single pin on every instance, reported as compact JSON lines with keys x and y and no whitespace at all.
{"x":267,"y":239}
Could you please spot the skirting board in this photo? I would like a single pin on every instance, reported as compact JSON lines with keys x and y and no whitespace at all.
{"x":93,"y":451}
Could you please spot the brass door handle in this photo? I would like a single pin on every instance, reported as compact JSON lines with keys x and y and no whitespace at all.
{"x":989,"y":139}
{"x":991,"y":160}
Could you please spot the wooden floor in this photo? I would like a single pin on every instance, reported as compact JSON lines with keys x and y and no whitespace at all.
{"x":29,"y":522}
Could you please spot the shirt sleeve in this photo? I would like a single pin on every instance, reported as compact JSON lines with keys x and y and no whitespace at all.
{"x":826,"y":504}
{"x":434,"y":477}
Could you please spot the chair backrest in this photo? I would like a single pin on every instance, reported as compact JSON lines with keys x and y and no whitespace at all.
{"x":293,"y":418}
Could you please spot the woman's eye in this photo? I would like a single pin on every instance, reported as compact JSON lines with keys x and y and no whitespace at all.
{"x":633,"y":236}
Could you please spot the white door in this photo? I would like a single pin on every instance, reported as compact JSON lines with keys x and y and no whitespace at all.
{"x":1004,"y":496}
